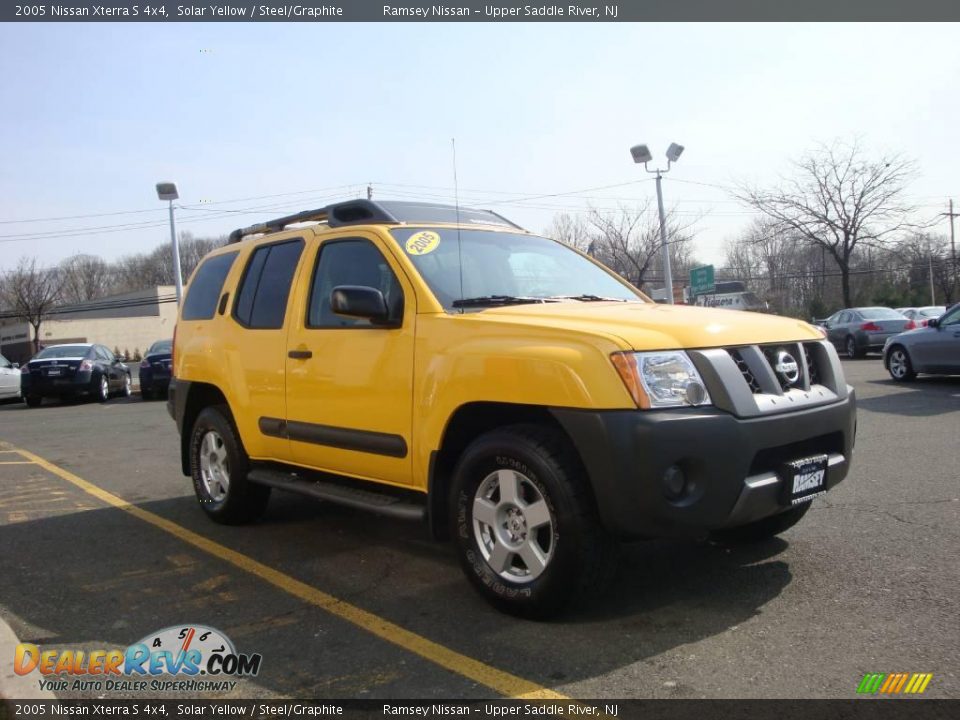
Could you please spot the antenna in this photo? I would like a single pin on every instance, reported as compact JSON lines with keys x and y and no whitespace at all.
{"x":456,"y":201}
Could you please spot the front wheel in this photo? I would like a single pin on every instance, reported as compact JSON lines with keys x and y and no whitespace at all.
{"x":764,"y":529}
{"x":525,"y":523}
{"x":127,"y":386}
{"x":219,"y":467}
{"x":899,"y":365}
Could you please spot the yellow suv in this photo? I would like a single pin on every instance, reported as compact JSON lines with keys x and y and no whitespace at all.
{"x":442,"y":364}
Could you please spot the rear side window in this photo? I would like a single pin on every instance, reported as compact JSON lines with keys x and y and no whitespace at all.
{"x":204,"y":291}
{"x":262,"y":299}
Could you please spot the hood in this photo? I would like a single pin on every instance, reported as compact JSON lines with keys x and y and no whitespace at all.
{"x":650,"y":326}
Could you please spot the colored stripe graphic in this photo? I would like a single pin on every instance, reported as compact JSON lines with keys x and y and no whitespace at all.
{"x":894,"y":683}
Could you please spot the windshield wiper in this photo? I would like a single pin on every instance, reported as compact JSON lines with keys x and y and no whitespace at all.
{"x":486,"y":300}
{"x":586,"y":298}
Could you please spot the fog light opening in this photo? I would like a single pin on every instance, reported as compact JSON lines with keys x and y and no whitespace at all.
{"x":696,"y":393}
{"x":674,"y":482}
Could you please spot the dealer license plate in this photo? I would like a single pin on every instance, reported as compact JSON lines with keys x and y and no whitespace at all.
{"x":804,"y":479}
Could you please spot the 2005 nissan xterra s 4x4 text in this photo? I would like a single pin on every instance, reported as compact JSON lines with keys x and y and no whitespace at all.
{"x":442,"y":364}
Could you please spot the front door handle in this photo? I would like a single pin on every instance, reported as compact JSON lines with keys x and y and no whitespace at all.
{"x":300,"y":354}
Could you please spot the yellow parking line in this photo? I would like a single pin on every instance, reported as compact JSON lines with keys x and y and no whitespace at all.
{"x":502,"y":682}
{"x":17,"y":462}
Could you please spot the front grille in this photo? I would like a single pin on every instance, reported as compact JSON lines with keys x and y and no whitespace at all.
{"x":770,"y":353}
{"x":745,"y":370}
{"x":811,"y":365}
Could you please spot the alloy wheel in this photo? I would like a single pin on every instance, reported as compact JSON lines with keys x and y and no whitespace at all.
{"x":214,"y":466}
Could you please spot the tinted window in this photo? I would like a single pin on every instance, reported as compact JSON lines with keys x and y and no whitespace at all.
{"x":64,"y":351}
{"x":262,"y":301}
{"x":103,"y":353}
{"x":161,"y":346}
{"x":351,"y":262}
{"x":880,"y":313}
{"x":4,"y":363}
{"x":204,"y":290}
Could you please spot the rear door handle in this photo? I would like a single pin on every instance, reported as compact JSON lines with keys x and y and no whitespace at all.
{"x":300,"y":354}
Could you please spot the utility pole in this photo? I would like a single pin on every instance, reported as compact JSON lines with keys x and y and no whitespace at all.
{"x":953,"y":249}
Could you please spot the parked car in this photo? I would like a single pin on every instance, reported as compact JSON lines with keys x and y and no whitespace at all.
{"x":155,"y":370}
{"x":857,"y":331}
{"x":9,"y":379}
{"x":934,"y":348}
{"x":920,"y":316}
{"x":443,"y":365}
{"x":65,"y":371}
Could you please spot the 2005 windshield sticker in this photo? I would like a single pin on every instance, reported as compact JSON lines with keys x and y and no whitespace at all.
{"x":181,"y":654}
{"x":422,"y":243}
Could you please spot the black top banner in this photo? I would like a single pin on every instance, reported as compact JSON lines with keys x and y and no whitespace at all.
{"x":496,"y":11}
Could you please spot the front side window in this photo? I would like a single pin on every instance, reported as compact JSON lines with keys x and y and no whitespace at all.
{"x":951,"y":318}
{"x":467,"y":264}
{"x":262,"y":298}
{"x":351,"y":262}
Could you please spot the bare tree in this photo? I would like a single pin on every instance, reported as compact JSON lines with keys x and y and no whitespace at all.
{"x":85,"y":277}
{"x":31,"y":292}
{"x":572,"y":230}
{"x":838,"y":199}
{"x":628,"y":241}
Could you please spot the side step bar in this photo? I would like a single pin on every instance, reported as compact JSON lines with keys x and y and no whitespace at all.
{"x":375,"y":502}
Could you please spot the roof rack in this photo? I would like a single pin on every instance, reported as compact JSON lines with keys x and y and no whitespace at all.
{"x":363,"y":212}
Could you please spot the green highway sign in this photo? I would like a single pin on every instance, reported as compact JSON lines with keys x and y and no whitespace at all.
{"x":701,"y":280}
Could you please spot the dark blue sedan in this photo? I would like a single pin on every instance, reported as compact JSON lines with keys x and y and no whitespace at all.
{"x":155,"y":370}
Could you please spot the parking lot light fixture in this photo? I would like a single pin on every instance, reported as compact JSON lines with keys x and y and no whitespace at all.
{"x":641,"y":155}
{"x":168,"y":191}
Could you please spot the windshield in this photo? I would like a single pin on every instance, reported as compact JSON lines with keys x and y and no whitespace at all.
{"x":880,"y":313}
{"x":932,"y":311}
{"x":63,"y":351}
{"x":498,"y":264}
{"x":160,"y":346}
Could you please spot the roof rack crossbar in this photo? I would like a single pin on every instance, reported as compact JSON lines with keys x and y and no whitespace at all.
{"x":343,"y":213}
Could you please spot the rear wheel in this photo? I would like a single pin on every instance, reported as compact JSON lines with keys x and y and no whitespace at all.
{"x":525,"y":523}
{"x":852,"y":352}
{"x":899,"y":365}
{"x":219,"y":467}
{"x":127,"y":386}
{"x":33,"y":400}
{"x":764,"y":529}
{"x":103,"y":389}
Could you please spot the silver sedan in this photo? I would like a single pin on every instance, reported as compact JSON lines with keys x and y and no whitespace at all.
{"x":932,"y":349}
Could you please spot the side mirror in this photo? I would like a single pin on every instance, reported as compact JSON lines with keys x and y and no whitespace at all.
{"x":360,"y":301}
{"x":933,"y":322}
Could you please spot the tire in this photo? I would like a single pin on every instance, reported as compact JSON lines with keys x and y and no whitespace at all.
{"x":127,"y":386}
{"x":219,"y":467}
{"x":899,"y":365}
{"x":852,"y":352}
{"x":33,"y":401}
{"x":574,"y":558}
{"x":146,"y":393}
{"x":764,"y":529}
{"x":101,"y":389}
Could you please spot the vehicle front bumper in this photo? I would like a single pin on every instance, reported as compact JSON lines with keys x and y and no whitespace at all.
{"x":731,"y":464}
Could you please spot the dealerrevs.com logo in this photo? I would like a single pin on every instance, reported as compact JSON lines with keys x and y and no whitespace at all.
{"x":183,"y":651}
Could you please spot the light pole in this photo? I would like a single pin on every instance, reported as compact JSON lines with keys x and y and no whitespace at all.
{"x":168,"y":191}
{"x":641,"y":154}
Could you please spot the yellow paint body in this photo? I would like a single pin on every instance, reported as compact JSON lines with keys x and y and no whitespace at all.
{"x":410,"y":380}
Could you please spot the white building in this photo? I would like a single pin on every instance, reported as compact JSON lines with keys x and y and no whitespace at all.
{"x":130,"y":322}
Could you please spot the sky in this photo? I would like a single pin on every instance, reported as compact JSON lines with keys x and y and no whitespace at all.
{"x":259,"y":120}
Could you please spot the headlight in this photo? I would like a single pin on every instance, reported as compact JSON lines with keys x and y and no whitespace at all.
{"x":661,"y":379}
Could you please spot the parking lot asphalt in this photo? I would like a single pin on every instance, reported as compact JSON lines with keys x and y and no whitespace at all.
{"x":102,"y":542}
